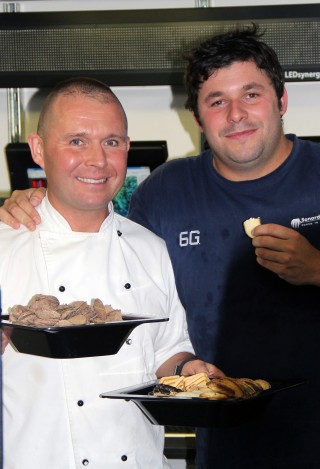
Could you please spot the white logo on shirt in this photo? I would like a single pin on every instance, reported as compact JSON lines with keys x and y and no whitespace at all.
{"x":297,"y":222}
{"x":191,"y":238}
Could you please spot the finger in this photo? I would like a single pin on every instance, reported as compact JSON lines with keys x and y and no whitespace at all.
{"x":26,"y":198}
{"x":37,"y":195}
{"x":25,"y":212}
{"x":19,"y":208}
{"x":270,"y":265}
{"x":281,"y":270}
{"x":214,"y":372}
{"x":204,"y":367}
{"x":15,"y":216}
{"x":269,"y":243}
{"x":195,"y":366}
{"x":272,"y":255}
{"x":8,"y":219}
{"x":273,"y":230}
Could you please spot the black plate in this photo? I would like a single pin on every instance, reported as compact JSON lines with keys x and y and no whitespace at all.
{"x":74,"y":341}
{"x":198,"y":412}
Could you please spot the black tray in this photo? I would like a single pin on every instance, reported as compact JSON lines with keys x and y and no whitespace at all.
{"x":74,"y":341}
{"x":198,"y":412}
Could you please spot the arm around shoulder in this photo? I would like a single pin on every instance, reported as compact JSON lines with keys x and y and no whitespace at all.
{"x":19,"y":209}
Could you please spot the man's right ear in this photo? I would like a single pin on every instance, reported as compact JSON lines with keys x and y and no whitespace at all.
{"x":36,"y":146}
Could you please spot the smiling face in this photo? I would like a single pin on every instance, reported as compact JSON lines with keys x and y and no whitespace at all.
{"x":240,"y":116}
{"x":83,"y":151}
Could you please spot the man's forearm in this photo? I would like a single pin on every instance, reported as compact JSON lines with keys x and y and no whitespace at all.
{"x":168,"y":367}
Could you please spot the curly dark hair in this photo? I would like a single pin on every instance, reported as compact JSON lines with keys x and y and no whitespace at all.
{"x":239,"y":45}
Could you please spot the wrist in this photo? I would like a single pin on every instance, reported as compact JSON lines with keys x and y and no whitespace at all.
{"x":178,"y":368}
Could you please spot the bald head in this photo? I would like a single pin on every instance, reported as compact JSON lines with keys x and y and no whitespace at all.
{"x":86,"y":87}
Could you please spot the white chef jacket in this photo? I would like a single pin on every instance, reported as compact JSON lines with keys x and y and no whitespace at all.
{"x":53,"y":415}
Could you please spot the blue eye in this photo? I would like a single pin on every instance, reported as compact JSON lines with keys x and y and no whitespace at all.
{"x":76,"y":141}
{"x":112,"y":143}
{"x":116,"y":142}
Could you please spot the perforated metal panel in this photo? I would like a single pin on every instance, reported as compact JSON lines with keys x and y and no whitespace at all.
{"x":144,"y":46}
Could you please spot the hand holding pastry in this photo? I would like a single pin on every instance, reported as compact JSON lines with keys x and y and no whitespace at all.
{"x":194,"y":367}
{"x":288,"y":254}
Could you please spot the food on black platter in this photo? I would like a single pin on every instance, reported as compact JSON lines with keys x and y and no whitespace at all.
{"x":46,"y":311}
{"x":200,"y":385}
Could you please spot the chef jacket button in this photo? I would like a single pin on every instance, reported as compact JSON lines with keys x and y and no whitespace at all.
{"x":80,"y":403}
{"x":129,"y":341}
{"x":124,"y":457}
{"x":127,"y":286}
{"x":85,"y":462}
{"x":119,"y":233}
{"x":62,"y":288}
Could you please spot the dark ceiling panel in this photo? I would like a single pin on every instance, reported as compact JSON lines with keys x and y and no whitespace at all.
{"x":144,"y":47}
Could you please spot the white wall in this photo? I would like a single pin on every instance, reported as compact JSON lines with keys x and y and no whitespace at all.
{"x":158,"y":112}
